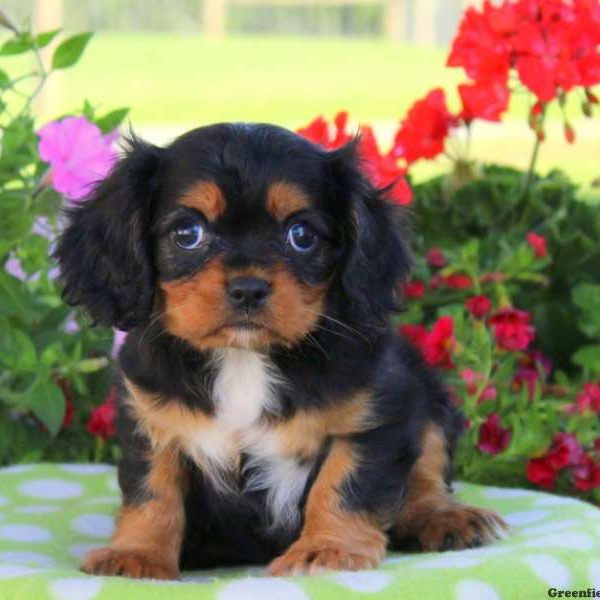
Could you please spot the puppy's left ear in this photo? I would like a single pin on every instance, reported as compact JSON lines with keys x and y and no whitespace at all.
{"x":105,"y":254}
{"x":376,"y":257}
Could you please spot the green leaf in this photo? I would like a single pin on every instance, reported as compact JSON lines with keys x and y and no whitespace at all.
{"x":4,"y":79}
{"x":12,"y":295}
{"x":17,"y":45}
{"x":110,"y":121}
{"x":588,"y":357}
{"x":587,"y":297}
{"x":47,"y":402}
{"x":70,"y":50}
{"x":91,"y":365}
{"x":20,"y":355}
{"x":43,"y":39}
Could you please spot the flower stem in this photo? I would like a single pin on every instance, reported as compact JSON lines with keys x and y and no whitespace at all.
{"x":532,"y":165}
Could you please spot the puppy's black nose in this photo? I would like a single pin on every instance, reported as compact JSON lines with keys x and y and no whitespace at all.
{"x":248,"y":293}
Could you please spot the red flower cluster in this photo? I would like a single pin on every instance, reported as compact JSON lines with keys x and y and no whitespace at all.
{"x":479,"y":306}
{"x":588,"y":401}
{"x":436,"y":345}
{"x":423,"y":132}
{"x":565,"y":454}
{"x":383,"y":170}
{"x":552,"y":44}
{"x":512,"y":329}
{"x":538,"y":244}
{"x":493,"y":438}
{"x":102,"y":420}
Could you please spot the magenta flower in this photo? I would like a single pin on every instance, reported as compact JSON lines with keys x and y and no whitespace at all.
{"x":78,"y":153}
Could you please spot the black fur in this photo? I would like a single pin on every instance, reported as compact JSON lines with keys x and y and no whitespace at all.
{"x":116,"y":249}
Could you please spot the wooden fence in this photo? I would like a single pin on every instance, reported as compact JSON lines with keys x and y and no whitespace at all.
{"x":415,"y":21}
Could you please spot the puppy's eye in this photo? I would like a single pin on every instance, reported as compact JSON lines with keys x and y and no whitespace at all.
{"x":302,"y":237}
{"x":189,"y":236}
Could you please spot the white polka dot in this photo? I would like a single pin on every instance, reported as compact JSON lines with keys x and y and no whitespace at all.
{"x":8,"y":571}
{"x":545,"y":528}
{"x":398,"y":559}
{"x":475,"y":590}
{"x":26,"y":558}
{"x":261,"y":589}
{"x":550,"y":500}
{"x":365,"y":581}
{"x":25,"y":533}
{"x":94,"y":525}
{"x":79,"y":551}
{"x":38,"y":509}
{"x":51,"y":489}
{"x":549,"y":570}
{"x":595,"y":573}
{"x":518,"y":519}
{"x":453,"y":560}
{"x":16,"y":469}
{"x":87,"y":469}
{"x":508,"y":493}
{"x":570,"y":541}
{"x":82,"y":588}
{"x":3,"y":500}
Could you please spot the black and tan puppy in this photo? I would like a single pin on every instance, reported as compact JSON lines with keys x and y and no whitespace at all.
{"x":267,"y":410}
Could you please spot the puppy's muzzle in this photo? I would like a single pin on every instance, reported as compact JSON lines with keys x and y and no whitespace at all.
{"x":247,"y":294}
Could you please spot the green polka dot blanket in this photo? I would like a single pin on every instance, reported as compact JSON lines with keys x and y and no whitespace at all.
{"x":51,"y":515}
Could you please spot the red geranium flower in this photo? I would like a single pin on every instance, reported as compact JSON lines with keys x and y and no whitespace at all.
{"x":473,"y":379}
{"x":479,"y":306}
{"x":440,"y":343}
{"x":493,"y":438}
{"x":102,"y":420}
{"x":435,"y":258}
{"x":586,"y":476}
{"x":587,"y":401}
{"x":541,"y":473}
{"x":424,"y":131}
{"x":383,"y":170}
{"x":538,"y":243}
{"x":417,"y":334}
{"x":414,"y":289}
{"x":486,"y":100}
{"x":512,"y":329}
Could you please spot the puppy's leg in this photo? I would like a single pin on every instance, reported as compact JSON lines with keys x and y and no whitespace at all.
{"x":335,"y":536}
{"x":430,"y":514}
{"x":149,"y":533}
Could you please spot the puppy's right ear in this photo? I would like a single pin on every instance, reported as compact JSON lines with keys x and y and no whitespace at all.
{"x":104,"y":253}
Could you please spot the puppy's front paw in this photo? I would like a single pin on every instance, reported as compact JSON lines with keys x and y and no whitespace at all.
{"x":457,"y":526}
{"x":109,"y":561}
{"x":308,"y":557}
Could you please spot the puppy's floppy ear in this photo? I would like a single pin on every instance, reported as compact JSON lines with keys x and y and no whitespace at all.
{"x":376,"y":258}
{"x":104,"y":253}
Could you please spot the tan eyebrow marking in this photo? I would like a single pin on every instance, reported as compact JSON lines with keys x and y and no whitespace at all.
{"x":207,"y":197}
{"x":284,"y":199}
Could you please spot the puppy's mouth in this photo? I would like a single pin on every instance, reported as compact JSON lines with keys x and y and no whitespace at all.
{"x":243,"y":326}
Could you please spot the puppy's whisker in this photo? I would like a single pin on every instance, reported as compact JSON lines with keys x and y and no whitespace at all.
{"x":316,"y":344}
{"x":350,"y":329}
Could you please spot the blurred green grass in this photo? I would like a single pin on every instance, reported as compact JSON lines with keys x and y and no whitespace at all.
{"x":178,"y":82}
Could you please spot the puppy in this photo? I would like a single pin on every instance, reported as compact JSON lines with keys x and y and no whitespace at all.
{"x":267,"y":411}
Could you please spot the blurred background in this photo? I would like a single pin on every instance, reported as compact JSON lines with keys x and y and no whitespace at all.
{"x":182,"y":63}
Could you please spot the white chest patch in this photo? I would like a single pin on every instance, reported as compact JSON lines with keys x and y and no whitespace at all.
{"x":245,"y":386}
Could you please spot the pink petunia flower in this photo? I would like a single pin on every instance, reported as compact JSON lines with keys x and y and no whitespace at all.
{"x":78,"y":154}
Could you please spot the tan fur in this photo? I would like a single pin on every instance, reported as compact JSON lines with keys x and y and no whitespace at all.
{"x":430,"y":513}
{"x":196,"y":309}
{"x":332,"y":538}
{"x":148,"y":538}
{"x":284,"y":199}
{"x":206,"y":197}
{"x":304,"y":434}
